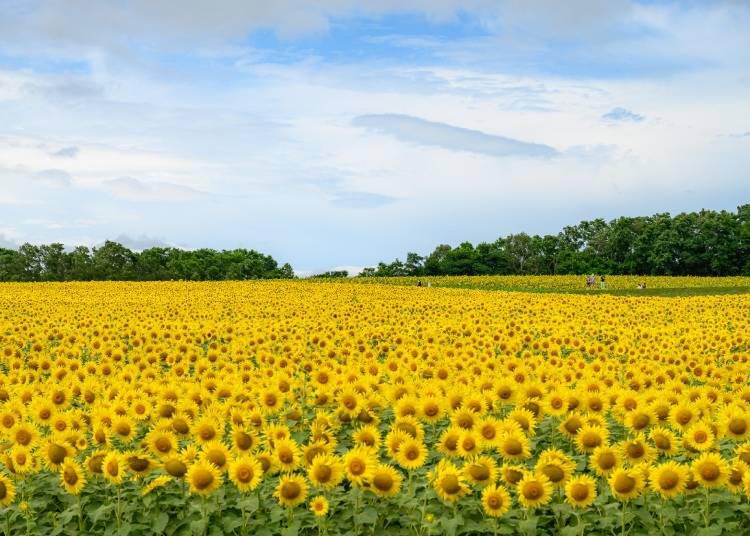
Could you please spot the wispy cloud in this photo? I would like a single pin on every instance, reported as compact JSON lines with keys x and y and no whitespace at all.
{"x":66,"y":152}
{"x":622,"y":115}
{"x":361,"y":200}
{"x":133,"y":189}
{"x":412,"y":129}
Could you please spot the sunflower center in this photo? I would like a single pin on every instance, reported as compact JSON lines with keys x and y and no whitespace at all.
{"x":290,"y":490}
{"x":533,"y":490}
{"x":624,"y":484}
{"x":737,"y":426}
{"x":710,"y":471}
{"x":243,"y":441}
{"x":322,"y":473}
{"x":700,"y":436}
{"x":163,"y":444}
{"x":635,"y":450}
{"x":553,"y":472}
{"x":662,"y":442}
{"x":450,"y":484}
{"x":70,"y":477}
{"x":479,"y":473}
{"x":668,"y":480}
{"x":579,"y":492}
{"x":383,"y":482}
{"x":217,"y":458}
{"x":244,"y":474}
{"x":175,"y":468}
{"x":57,"y":454}
{"x":513,"y":447}
{"x":357,"y":467}
{"x":203,"y":478}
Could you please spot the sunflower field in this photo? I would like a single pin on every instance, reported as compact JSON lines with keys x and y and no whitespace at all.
{"x":265,"y":408}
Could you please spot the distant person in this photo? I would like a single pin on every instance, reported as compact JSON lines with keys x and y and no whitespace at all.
{"x":419,"y":282}
{"x":602,"y":283}
{"x":429,"y":284}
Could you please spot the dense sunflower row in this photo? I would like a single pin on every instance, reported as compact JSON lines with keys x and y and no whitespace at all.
{"x":559,"y":282}
{"x":286,"y":407}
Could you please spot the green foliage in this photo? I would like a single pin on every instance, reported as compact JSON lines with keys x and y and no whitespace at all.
{"x":705,"y":243}
{"x":113,"y":261}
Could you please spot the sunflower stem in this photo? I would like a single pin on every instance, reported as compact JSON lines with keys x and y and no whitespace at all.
{"x":707,"y":508}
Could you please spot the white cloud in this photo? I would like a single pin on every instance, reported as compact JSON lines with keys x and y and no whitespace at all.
{"x":416,"y":130}
{"x":137,"y":190}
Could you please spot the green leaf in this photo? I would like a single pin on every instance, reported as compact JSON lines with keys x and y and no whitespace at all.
{"x":714,"y":530}
{"x":368,"y":516}
{"x":451,"y":524}
{"x":160,"y":522}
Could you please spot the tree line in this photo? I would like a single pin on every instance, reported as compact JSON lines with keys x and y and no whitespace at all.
{"x":705,"y":243}
{"x":113,"y":261}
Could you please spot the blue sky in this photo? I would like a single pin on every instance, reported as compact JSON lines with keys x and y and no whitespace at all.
{"x":340,"y":133}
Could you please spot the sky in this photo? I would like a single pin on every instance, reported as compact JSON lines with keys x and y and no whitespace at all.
{"x":338,"y":133}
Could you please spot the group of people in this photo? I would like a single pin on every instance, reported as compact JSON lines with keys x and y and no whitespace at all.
{"x":591,"y":281}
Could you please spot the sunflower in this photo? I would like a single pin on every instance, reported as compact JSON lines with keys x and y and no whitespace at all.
{"x":286,"y":455}
{"x":512,"y":474}
{"x":385,"y":481}
{"x":161,"y":443}
{"x":448,"y":482}
{"x":23,"y":434}
{"x":431,"y":409}
{"x":636,"y":450}
{"x":626,"y":484}
{"x":358,"y":465}
{"x":556,"y":466}
{"x":203,"y":477}
{"x":736,"y":475}
{"x":156,"y":483}
{"x":490,"y":430}
{"x":571,"y":425}
{"x":94,"y":462}
{"x":205,"y":429}
{"x":481,"y":470}
{"x":72,"y":477}
{"x":411,"y":454}
{"x":664,"y":440}
{"x":590,"y":437}
{"x":682,"y":415}
{"x":495,"y":500}
{"x":525,"y":420}
{"x":580,"y":491}
{"x":319,"y":506}
{"x":291,"y":490}
{"x":367,"y":436}
{"x":315,"y":449}
{"x":245,"y":472}
{"x":54,"y":452}
{"x":123,"y":428}
{"x":326,"y":471}
{"x":139,"y":464}
{"x":216,"y":453}
{"x":669,"y":479}
{"x":22,"y":460}
{"x":513,"y":446}
{"x":114,"y":467}
{"x":710,"y":470}
{"x":244,"y":440}
{"x":534,"y":490}
{"x":734,"y":423}
{"x":448,"y":442}
{"x":7,"y":490}
{"x":698,"y":437}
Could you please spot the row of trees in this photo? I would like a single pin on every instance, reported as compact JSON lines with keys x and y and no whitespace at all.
{"x":695,"y":243}
{"x":113,"y":261}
